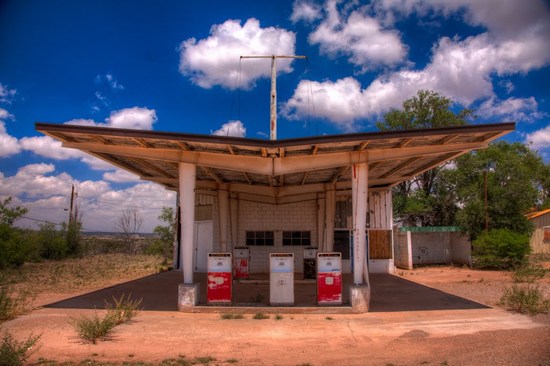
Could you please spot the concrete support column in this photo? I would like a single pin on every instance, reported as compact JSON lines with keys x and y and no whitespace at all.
{"x":329,"y":219}
{"x":321,"y":212}
{"x":176,"y":245}
{"x":359,"y":195}
{"x":360,"y":292}
{"x":187,"y":177}
{"x":223,"y":209}
{"x":188,"y":292}
{"x":234,"y":220}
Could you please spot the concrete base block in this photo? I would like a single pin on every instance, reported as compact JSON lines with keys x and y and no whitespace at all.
{"x":188,"y":296}
{"x":359,"y":297}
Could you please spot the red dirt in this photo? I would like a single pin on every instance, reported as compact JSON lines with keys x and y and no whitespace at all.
{"x":458,"y":337}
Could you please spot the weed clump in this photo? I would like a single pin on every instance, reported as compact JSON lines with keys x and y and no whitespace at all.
{"x":15,"y":353}
{"x":12,"y":302}
{"x":123,"y":309}
{"x":229,"y":316}
{"x":526,"y":299}
{"x":260,"y":316}
{"x":528,"y":274}
{"x":94,"y":328}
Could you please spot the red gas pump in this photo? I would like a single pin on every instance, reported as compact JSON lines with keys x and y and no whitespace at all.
{"x":329,"y":278}
{"x":242,"y":262}
{"x":219,"y":282}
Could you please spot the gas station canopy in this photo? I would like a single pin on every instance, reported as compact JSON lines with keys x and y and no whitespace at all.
{"x":287,"y":164}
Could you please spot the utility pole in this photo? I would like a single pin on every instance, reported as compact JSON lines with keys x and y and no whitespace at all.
{"x":71,"y":208}
{"x":486,"y":201}
{"x":273,"y":97}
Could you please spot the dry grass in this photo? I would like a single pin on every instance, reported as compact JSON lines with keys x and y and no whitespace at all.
{"x":71,"y":276}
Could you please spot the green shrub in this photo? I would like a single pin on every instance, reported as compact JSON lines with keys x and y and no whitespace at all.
{"x":122,"y":309}
{"x":15,"y":353}
{"x":12,"y":302}
{"x":51,"y":242}
{"x":93,"y":328}
{"x":528,"y":274}
{"x":525,"y":299}
{"x":500,"y":249}
{"x":260,"y":316}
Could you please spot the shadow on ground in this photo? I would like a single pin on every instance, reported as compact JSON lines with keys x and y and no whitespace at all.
{"x":159,"y":292}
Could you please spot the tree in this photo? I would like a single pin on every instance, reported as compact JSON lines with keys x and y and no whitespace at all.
{"x":163,"y":244}
{"x":513,"y":174}
{"x":72,"y":232}
{"x":129,"y":223}
{"x":14,"y":249}
{"x":427,"y":200}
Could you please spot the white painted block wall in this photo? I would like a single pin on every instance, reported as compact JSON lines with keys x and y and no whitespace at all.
{"x":254,"y":216}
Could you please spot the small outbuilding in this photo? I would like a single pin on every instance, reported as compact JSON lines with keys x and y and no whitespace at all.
{"x":540,"y":239}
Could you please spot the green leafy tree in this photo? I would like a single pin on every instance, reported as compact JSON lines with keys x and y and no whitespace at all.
{"x":51,"y":242}
{"x":14,"y":249}
{"x":163,"y":244}
{"x":427,"y":200}
{"x":513,"y":175}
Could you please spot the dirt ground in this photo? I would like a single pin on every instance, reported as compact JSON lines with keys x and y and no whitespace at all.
{"x":458,"y":337}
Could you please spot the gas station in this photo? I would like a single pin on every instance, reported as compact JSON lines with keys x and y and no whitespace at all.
{"x":314,"y":210}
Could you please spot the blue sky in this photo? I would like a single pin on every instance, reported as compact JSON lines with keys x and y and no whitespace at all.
{"x":174,"y":66}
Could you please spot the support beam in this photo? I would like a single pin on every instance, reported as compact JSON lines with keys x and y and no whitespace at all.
{"x":274,"y":166}
{"x":211,"y":174}
{"x":187,"y":177}
{"x":363,"y":145}
{"x":399,"y":167}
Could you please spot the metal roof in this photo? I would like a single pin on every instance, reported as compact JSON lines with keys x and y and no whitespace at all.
{"x":291,"y":164}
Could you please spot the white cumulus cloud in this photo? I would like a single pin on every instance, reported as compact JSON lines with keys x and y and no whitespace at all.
{"x":461,"y":69}
{"x":49,"y":148}
{"x":135,"y":118}
{"x":512,"y":109}
{"x":46,"y":193}
{"x":360,"y":37}
{"x":9,"y":145}
{"x":216,"y":60}
{"x":307,"y":11}
{"x":46,"y":146}
{"x":540,"y":139}
{"x":231,"y":128}
{"x":120,"y":176}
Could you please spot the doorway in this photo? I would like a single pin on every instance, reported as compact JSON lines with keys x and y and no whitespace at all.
{"x":203,"y":243}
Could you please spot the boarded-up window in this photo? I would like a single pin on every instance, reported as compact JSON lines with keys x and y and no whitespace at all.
{"x":547,"y":234}
{"x":380,"y":244}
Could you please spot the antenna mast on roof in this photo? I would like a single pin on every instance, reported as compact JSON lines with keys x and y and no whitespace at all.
{"x":273,"y":105}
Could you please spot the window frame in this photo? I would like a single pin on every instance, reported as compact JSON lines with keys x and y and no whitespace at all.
{"x":260,"y":238}
{"x":297,"y":238}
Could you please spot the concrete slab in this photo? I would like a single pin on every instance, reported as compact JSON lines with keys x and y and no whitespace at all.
{"x":389,"y":293}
